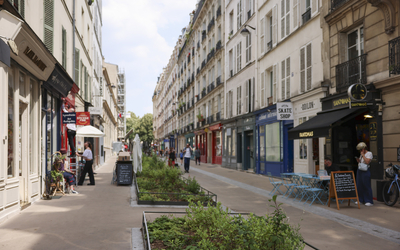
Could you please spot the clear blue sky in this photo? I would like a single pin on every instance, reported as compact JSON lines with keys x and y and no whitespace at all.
{"x":139,"y":36}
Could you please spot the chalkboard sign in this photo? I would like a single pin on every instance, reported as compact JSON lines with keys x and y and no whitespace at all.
{"x":124,"y":173}
{"x":343,"y":187}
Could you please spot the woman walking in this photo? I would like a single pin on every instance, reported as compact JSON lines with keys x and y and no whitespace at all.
{"x":364,"y":175}
{"x":88,"y":157}
{"x":171,"y":160}
{"x":187,"y":156}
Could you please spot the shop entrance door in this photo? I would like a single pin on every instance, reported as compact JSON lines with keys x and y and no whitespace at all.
{"x":22,"y":154}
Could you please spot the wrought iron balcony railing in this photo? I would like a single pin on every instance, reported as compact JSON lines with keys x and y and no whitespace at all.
{"x":198,"y":70}
{"x":394,"y":56}
{"x":351,"y":72}
{"x":337,"y":3}
{"x":203,"y":93}
{"x":218,"y":116}
{"x":203,"y":35}
{"x":192,"y":102}
{"x":219,"y":11}
{"x":219,"y":45}
{"x":203,"y":64}
{"x":211,"y":24}
{"x":306,"y":16}
{"x":219,"y":80}
{"x":248,"y":14}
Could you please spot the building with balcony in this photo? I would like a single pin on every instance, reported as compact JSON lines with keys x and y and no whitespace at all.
{"x":361,"y":49}
{"x":201,"y":81}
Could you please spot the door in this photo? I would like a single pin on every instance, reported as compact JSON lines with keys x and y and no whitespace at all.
{"x":23,"y":153}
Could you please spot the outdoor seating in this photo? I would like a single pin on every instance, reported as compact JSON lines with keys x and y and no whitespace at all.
{"x":314,"y":194}
{"x":275,"y":184}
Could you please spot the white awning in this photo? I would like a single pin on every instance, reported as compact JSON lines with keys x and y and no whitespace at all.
{"x":89,"y":131}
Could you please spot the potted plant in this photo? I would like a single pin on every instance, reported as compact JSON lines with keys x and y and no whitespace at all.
{"x":204,"y":89}
{"x":200,"y":117}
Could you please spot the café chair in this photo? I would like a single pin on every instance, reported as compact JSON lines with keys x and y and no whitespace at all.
{"x":275,"y":184}
{"x":290,"y":186}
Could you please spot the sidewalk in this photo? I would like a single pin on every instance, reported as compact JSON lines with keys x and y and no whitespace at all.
{"x":321,"y":226}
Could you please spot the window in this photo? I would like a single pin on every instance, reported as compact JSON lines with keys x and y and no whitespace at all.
{"x":285,"y":18}
{"x":239,"y":15}
{"x":262,"y":35}
{"x":231,"y":63}
{"x":305,"y":68}
{"x":296,"y":13}
{"x":219,"y":33}
{"x":302,"y":142}
{"x":248,"y":48}
{"x":355,"y":43}
{"x":48,"y":24}
{"x":219,"y":103}
{"x":231,"y":23}
{"x":248,"y":101}
{"x":285,"y":78}
{"x":219,"y":68}
{"x":239,"y":102}
{"x":273,"y":142}
{"x":249,"y":8}
{"x":262,"y":79}
{"x":64,"y":48}
{"x":269,"y":87}
{"x":238,"y":57}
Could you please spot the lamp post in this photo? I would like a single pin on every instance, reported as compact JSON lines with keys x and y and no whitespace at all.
{"x":245,"y":31}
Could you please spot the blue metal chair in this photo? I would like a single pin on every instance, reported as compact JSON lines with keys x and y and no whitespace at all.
{"x":301,"y":193}
{"x":275,"y":184}
{"x":289,"y":185}
{"x":314,"y":193}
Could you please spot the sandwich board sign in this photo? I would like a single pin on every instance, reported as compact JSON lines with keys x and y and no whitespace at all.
{"x":343,"y":187}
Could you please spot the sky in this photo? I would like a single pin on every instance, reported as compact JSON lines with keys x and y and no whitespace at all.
{"x":139,"y":36}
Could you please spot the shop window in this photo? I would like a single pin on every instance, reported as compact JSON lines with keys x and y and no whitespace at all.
{"x":302,"y":142}
{"x":22,"y":85}
{"x":218,"y":143}
{"x":273,"y":142}
{"x":10,"y":136}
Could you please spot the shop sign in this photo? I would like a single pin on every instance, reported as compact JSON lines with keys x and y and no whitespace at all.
{"x":206,"y":130}
{"x":338,"y":103}
{"x":306,"y":134}
{"x":215,"y":127}
{"x":95,"y":110}
{"x":267,"y":116}
{"x":307,"y":106}
{"x":373,"y":131}
{"x":247,"y":128}
{"x":284,"y":110}
{"x":34,"y":58}
{"x":358,"y":104}
{"x":60,"y":81}
{"x":69,"y":118}
{"x":357,"y":92}
{"x":166,"y":140}
{"x":83,"y":118}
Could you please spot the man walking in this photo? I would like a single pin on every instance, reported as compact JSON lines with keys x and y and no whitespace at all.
{"x":187,"y":156}
{"x":197,"y":155}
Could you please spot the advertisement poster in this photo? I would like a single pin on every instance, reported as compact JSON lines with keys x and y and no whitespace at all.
{"x":83,"y":118}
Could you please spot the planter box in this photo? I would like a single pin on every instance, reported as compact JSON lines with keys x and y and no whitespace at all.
{"x":174,"y":203}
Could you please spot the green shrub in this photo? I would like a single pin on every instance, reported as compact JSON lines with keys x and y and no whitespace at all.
{"x":215,"y":228}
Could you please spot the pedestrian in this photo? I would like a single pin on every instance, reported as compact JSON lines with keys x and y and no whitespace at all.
{"x":329,"y":167}
{"x":197,"y":155}
{"x":187,"y":155}
{"x":364,"y":175}
{"x":181,"y":156}
{"x":171,"y":158}
{"x":88,"y":157}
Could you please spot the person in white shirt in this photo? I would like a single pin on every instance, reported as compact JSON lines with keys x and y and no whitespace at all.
{"x":71,"y":132}
{"x":364,"y":177}
{"x":187,"y":155}
{"x":88,"y":157}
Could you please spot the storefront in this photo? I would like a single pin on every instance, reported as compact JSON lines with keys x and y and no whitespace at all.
{"x":21,"y":73}
{"x":201,"y":143}
{"x":246,"y":142}
{"x":342,"y":128}
{"x":274,"y":150}
{"x":216,"y":143}
{"x":229,"y":144}
{"x":308,"y":153}
{"x":172,"y":141}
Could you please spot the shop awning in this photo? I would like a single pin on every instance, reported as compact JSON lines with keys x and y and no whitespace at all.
{"x":319,"y":125}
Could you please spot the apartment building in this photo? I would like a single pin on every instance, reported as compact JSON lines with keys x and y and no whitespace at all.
{"x":46,"y":72}
{"x":240,"y":88}
{"x":121,"y":99}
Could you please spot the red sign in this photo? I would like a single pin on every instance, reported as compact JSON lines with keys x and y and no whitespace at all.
{"x":83,"y":118}
{"x":216,"y":127}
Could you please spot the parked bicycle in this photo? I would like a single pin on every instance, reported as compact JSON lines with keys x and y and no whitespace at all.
{"x":391,"y":189}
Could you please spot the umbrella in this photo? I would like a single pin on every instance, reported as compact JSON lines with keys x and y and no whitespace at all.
{"x":89,"y":131}
{"x":137,"y":155}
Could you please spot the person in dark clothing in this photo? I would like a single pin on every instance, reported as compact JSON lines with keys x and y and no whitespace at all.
{"x":171,"y":158}
{"x":197,"y":155}
{"x":329,"y":166}
{"x":88,"y":157}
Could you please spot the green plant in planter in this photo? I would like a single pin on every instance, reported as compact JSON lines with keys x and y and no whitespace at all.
{"x":204,"y":89}
{"x":56,"y":175}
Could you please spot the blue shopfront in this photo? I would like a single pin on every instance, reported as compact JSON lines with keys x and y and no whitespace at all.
{"x":274,"y":150}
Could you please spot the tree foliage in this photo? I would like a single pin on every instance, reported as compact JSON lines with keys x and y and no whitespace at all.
{"x":131,"y":124}
{"x":142,"y":126}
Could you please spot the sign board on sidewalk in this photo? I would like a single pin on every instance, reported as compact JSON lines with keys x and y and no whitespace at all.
{"x":68,"y":118}
{"x":284,"y":110}
{"x":82,"y":118}
{"x":343,"y":187}
{"x":124,"y":173}
{"x":95,"y":110}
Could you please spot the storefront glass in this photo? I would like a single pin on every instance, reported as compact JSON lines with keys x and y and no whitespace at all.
{"x":10,"y":153}
{"x":273,"y":142}
{"x":218,"y":145}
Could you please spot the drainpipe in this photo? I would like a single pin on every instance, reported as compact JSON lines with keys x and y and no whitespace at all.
{"x":73,"y":41}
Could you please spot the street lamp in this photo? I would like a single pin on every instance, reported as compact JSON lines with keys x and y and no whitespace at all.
{"x":245,"y":31}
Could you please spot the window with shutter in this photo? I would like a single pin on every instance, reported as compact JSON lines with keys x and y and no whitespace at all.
{"x":64,"y":48}
{"x":285,"y":18}
{"x":295,"y":14}
{"x":48,"y":24}
{"x":248,"y":48}
{"x":239,"y":15}
{"x":285,"y":87}
{"x":227,"y":105}
{"x":86,"y":83}
{"x":309,"y":66}
{"x":247,"y":95}
{"x":275,"y":73}
{"x":239,"y":98}
{"x":314,"y":7}
{"x":283,"y":82}
{"x":262,"y":35}
{"x":262,"y":89}
{"x":302,"y":70}
{"x":275,"y":25}
{"x":238,"y":57}
{"x":288,"y":78}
